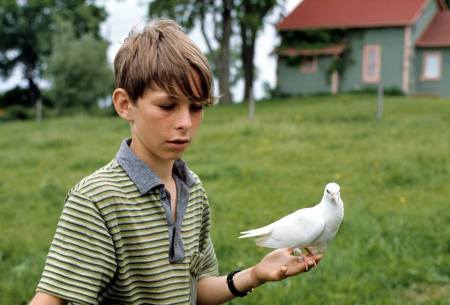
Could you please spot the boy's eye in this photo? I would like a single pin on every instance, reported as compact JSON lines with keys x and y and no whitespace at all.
{"x":196,"y":107}
{"x":167,"y":106}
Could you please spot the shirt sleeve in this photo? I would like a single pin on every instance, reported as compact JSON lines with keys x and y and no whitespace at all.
{"x":210,"y":266}
{"x":81,"y":260}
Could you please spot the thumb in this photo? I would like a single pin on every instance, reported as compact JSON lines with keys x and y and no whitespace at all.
{"x":283,"y":272}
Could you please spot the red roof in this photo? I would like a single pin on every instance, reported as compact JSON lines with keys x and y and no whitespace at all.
{"x":329,"y":50}
{"x":314,"y":14}
{"x":437,"y":33}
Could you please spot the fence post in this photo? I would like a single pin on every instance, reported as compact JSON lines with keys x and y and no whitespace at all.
{"x":380,"y":102}
{"x":39,"y":111}
{"x":251,"y":106}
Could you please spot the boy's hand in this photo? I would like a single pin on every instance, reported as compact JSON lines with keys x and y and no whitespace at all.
{"x":275,"y":266}
{"x":280,"y":263}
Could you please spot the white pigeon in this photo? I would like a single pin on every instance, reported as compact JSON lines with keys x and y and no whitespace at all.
{"x":306,"y":230}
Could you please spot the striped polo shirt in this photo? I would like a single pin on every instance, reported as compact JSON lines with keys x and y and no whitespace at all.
{"x":116,"y":241}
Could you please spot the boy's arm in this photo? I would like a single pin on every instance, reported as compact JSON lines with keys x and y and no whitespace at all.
{"x":275,"y":266}
{"x":41,"y":298}
{"x":214,"y":290}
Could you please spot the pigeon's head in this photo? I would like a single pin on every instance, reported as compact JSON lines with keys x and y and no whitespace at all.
{"x":332,"y":192}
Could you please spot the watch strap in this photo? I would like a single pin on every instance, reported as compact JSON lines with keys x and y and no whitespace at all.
{"x":231,"y":286}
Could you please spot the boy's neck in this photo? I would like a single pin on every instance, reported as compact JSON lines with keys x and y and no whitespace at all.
{"x":163,"y":171}
{"x":162,"y":168}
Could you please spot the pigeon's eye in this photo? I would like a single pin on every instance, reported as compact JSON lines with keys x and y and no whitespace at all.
{"x":328,"y":192}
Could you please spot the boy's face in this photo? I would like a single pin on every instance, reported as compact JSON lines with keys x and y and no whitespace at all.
{"x":163,"y":127}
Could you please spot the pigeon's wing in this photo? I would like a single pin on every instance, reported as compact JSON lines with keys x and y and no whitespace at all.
{"x":260,"y":232}
{"x":299,"y":229}
{"x":263,"y":231}
{"x":266,"y":230}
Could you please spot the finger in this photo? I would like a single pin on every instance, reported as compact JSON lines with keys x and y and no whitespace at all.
{"x":315,"y":259}
{"x":296,"y":269}
{"x":311,"y":263}
{"x":298,"y":266}
{"x":305,"y":264}
{"x":283,"y":272}
{"x":299,"y":259}
{"x":318,"y":257}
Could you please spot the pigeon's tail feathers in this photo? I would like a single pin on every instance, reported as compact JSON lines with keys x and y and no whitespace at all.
{"x":266,"y":241}
{"x":259,"y":233}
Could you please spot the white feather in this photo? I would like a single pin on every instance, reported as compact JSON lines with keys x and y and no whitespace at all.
{"x":309,"y":228}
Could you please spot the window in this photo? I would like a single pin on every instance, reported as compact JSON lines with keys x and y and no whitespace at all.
{"x":431,"y":66}
{"x":371,"y":63}
{"x":308,"y":64}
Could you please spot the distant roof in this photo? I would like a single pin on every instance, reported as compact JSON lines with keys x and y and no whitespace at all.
{"x":437,"y":34}
{"x":317,"y":14}
{"x":328,"y":50}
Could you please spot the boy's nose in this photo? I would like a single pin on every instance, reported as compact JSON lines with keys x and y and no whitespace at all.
{"x":184,"y":120}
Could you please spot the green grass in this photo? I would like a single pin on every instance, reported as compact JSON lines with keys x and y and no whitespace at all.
{"x":394,"y":244}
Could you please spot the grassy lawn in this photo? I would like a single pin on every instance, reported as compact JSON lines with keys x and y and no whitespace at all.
{"x":394,"y":244}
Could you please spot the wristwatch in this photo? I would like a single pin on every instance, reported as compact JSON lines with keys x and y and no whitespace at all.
{"x":231,"y":286}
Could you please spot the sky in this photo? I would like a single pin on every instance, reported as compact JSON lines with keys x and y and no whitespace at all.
{"x":126,"y":14}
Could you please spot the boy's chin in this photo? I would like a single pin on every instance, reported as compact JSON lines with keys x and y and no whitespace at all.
{"x":173,"y":156}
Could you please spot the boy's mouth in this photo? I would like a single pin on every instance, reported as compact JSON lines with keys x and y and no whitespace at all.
{"x":179,"y":141}
{"x":178,"y":144}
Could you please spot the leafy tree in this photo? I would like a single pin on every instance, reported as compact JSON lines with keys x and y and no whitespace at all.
{"x":216,"y":20}
{"x":212,"y":14}
{"x":26,"y":30}
{"x":78,"y":69}
{"x":251,"y":15}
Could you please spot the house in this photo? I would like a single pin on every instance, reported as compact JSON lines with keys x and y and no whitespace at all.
{"x":404,"y":45}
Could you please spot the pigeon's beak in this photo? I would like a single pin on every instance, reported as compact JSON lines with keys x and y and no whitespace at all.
{"x":336,"y":197}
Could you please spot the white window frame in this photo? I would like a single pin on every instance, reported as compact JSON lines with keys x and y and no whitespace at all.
{"x":308,"y":64}
{"x":425,"y":66}
{"x":367,"y":77}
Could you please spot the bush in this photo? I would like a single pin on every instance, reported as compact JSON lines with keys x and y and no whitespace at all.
{"x":18,"y":112}
{"x":389,"y":91}
{"x":15,"y":96}
{"x":19,"y":96}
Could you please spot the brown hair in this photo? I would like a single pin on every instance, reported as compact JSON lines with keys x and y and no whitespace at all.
{"x":162,"y":56}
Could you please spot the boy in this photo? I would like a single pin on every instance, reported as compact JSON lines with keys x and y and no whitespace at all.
{"x":137,"y":230}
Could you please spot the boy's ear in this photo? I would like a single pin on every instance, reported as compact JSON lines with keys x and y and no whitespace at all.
{"x":123,"y":104}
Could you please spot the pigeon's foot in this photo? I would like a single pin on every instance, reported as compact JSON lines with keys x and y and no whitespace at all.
{"x":310,"y":252}
{"x":297,"y":252}
{"x":305,"y":258}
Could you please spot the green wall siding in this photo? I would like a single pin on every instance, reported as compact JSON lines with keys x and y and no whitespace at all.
{"x":292,"y":81}
{"x":416,"y":31}
{"x":390,"y":41}
{"x":440,"y":87}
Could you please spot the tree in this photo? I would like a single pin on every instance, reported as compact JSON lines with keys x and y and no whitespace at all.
{"x":26,"y":30}
{"x":217,"y":19}
{"x":78,"y":69}
{"x":214,"y":14}
{"x":251,"y":15}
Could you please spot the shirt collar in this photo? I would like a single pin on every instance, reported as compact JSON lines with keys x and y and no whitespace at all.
{"x":141,"y":175}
